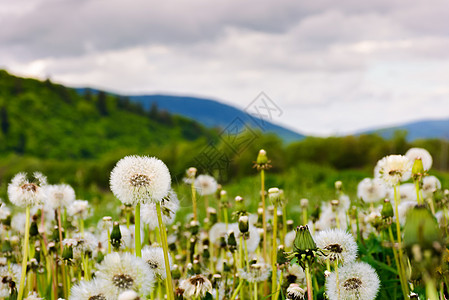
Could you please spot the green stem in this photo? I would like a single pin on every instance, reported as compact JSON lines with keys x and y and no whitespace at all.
{"x":138,"y":244}
{"x":25,"y":254}
{"x":264,"y":219}
{"x":336,"y":277}
{"x":273,"y":255}
{"x":192,"y":186}
{"x":418,"y":197}
{"x":169,"y":284}
{"x":309,"y":282}
{"x":64,"y":281}
{"x":255,"y":291}
{"x":236,"y":291}
{"x":284,"y":224}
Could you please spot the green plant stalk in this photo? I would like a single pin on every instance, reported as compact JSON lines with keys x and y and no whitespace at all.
{"x":240,"y":252}
{"x":225,"y":214}
{"x":308,"y":282}
{"x":169,"y":284}
{"x":336,"y":277}
{"x":418,"y":197}
{"x":279,"y":288}
{"x":397,"y":199}
{"x":82,"y":227}
{"x":236,"y":291}
{"x":109,"y":242}
{"x":304,"y":217}
{"x":64,"y":281}
{"x":398,"y":266}
{"x":25,"y":254}
{"x":192,"y":187}
{"x":273,"y":255}
{"x":206,"y":205}
{"x":138,"y":243}
{"x":264,"y":219}
{"x":246,"y":255}
{"x":431,"y":291}
{"x":255,"y":291}
{"x":284,"y":224}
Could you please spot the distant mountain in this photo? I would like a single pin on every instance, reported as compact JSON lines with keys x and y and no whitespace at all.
{"x":212,"y":113}
{"x":418,"y":130}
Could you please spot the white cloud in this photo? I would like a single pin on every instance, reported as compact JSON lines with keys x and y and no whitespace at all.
{"x":332,"y":68}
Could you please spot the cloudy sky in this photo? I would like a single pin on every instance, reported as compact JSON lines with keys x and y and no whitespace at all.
{"x":334,"y":67}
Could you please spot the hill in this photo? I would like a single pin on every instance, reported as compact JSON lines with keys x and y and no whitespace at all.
{"x":212,"y":113}
{"x":426,"y":129}
{"x":47,"y":120}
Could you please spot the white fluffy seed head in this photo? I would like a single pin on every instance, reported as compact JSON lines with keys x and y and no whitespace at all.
{"x":206,"y":185}
{"x":355,"y":281}
{"x":126,"y":272}
{"x":12,"y":272}
{"x":23,"y":192}
{"x":257,"y":272}
{"x":430,"y":184}
{"x":79,"y":208}
{"x":393,"y":169}
{"x":371,"y":190}
{"x":95,"y":289}
{"x":59,"y":195}
{"x":336,"y":244}
{"x":154,"y":258}
{"x":196,"y":287}
{"x":140,"y":179}
{"x":415,"y":153}
{"x":169,"y":207}
{"x":128,"y":295}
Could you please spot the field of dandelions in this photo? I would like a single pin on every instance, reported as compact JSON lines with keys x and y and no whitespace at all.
{"x":388,"y":242}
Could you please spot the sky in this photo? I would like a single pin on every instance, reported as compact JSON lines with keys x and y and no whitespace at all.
{"x":333,"y":67}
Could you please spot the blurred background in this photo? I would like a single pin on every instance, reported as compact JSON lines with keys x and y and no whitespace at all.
{"x":326,"y":87}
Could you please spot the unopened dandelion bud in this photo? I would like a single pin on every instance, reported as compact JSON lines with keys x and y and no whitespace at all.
{"x":421,"y":228}
{"x":304,"y":203}
{"x":206,"y":253}
{"x":414,"y":296}
{"x":196,"y":267}
{"x":417,"y":169}
{"x":335,"y":203}
{"x":281,"y":257}
{"x":226,"y":267}
{"x":303,"y":240}
{"x":212,"y":215}
{"x":338,"y":185}
{"x":67,"y":253}
{"x":290,"y":225}
{"x":116,"y":236}
{"x":15,"y":240}
{"x":33,"y":229}
{"x":243,"y":224}
{"x":446,"y":192}
{"x":274,"y":196}
{"x":37,"y":254}
{"x":6,"y":246}
{"x":107,"y":219}
{"x":327,"y":273}
{"x":262,"y":157}
{"x":239,"y":203}
{"x":387,"y":210}
{"x":232,"y":242}
{"x":216,"y":279}
{"x":294,"y":292}
{"x":191,"y":172}
{"x":194,"y":227}
{"x":223,"y":196}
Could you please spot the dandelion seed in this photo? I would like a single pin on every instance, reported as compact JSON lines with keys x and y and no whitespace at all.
{"x":23,"y":192}
{"x":337,"y":245}
{"x":393,"y":168}
{"x":196,"y":287}
{"x":358,"y":281}
{"x":140,"y":179}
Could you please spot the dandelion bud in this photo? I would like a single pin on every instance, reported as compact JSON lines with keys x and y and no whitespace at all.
{"x":417,"y":169}
{"x":414,"y":296}
{"x":216,"y":278}
{"x":212,"y":215}
{"x":15,"y":240}
{"x":243,"y":224}
{"x":274,"y":195}
{"x":194,"y":227}
{"x":67,"y":253}
{"x":304,"y":203}
{"x":281,"y":256}
{"x":239,"y":205}
{"x":206,"y":253}
{"x":335,"y":203}
{"x":33,"y":229}
{"x":116,"y":236}
{"x":303,"y":240}
{"x":226,"y":267}
{"x":290,"y":224}
{"x":262,"y":157}
{"x":196,"y":267}
{"x":338,"y":185}
{"x":294,"y":292}
{"x":232,"y":242}
{"x":107,"y":219}
{"x":446,"y":192}
{"x":223,"y":196}
{"x":191,"y":172}
{"x":6,"y":246}
{"x":327,"y":273}
{"x":387,"y":210}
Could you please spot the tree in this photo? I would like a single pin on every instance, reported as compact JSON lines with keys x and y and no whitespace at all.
{"x":4,"y":120}
{"x":101,"y":103}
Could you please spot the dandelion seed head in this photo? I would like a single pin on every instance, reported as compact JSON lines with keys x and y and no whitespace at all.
{"x":371,"y":190}
{"x":140,"y":179}
{"x":95,"y":289}
{"x":78,"y":208}
{"x":154,"y":257}
{"x":257,"y":272}
{"x":22,"y":192}
{"x":337,"y":245}
{"x":196,"y":286}
{"x":59,"y":195}
{"x":206,"y":185}
{"x":357,"y":280}
{"x":430,"y":184}
{"x":11,"y":274}
{"x":169,"y":207}
{"x":393,"y":169}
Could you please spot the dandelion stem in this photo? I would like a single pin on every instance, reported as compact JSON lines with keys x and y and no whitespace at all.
{"x":192,"y":186}
{"x":336,"y":277}
{"x":137,"y":231}
{"x":255,"y":290}
{"x":273,"y":255}
{"x":64,"y":281}
{"x":25,"y":254}
{"x":284,"y":224}
{"x":309,"y":282}
{"x":264,"y":219}
{"x":236,"y":291}
{"x":168,"y":282}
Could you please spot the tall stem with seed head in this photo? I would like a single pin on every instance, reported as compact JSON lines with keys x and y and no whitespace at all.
{"x":168,"y":282}
{"x":264,"y":220}
{"x":273,"y":255}
{"x":138,"y":243}
{"x":25,"y":254}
